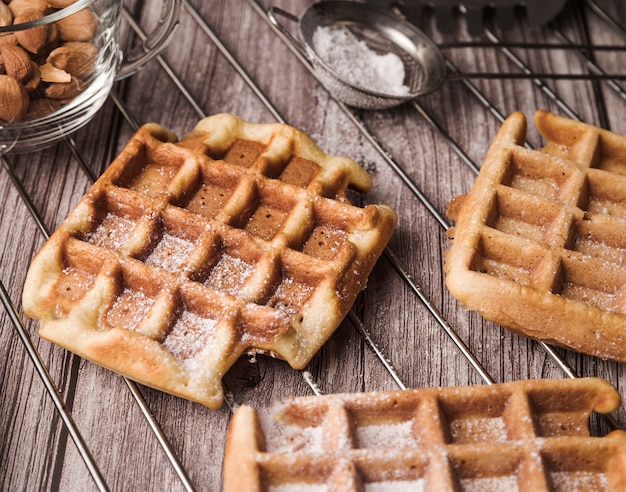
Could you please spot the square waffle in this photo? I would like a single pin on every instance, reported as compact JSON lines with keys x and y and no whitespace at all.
{"x":185,"y":255}
{"x":520,"y":436}
{"x":539,"y":245}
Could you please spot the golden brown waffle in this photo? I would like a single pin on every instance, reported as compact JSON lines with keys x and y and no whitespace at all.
{"x":183,"y":256}
{"x":539,"y":244}
{"x":521,"y":436}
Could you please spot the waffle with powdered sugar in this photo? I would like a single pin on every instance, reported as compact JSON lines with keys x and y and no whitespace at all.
{"x":185,"y":255}
{"x":526,"y":436}
{"x":539,"y":245}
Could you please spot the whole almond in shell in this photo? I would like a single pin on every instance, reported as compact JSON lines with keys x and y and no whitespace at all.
{"x":6,"y":16}
{"x":13,"y":99}
{"x":66,"y":90}
{"x":18,"y":7}
{"x":8,"y":38}
{"x":60,"y":4}
{"x":32,"y":39}
{"x":39,"y":108}
{"x":75,"y":57}
{"x":80,"y":26}
{"x":31,"y":84}
{"x":17,"y":63}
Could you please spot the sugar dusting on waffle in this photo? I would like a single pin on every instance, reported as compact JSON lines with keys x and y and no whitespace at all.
{"x":538,"y":245}
{"x":186,"y":254}
{"x":521,"y":436}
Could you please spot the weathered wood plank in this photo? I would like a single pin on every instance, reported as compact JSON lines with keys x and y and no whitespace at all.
{"x":35,"y":450}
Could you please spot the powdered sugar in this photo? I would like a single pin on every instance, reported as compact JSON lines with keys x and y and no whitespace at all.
{"x":129,"y":309}
{"x":288,"y":439}
{"x":189,"y":335}
{"x":418,"y":485}
{"x":170,"y":253}
{"x":290,"y":296}
{"x":579,"y":481}
{"x":112,"y":232}
{"x":298,"y":487}
{"x":506,"y":483}
{"x":478,"y":429}
{"x":391,"y":435}
{"x":355,"y":61}
{"x":229,"y":274}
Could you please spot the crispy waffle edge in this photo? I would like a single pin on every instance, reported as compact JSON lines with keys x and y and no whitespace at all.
{"x":537,"y":313}
{"x":547,"y":418}
{"x":145,"y":360}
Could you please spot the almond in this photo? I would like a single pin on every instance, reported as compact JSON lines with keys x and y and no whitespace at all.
{"x":40,"y":108}
{"x":50,"y":73}
{"x":16,"y":62}
{"x":8,"y":38}
{"x":60,"y":4}
{"x":13,"y":99}
{"x":6,"y":16}
{"x":66,"y":90}
{"x":18,"y":7}
{"x":53,"y":35}
{"x":35,"y":38}
{"x":76,"y":57}
{"x":80,"y":26}
{"x":31,"y":84}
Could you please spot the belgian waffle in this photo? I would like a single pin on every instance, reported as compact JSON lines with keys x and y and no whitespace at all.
{"x":539,"y":244}
{"x":185,"y":255}
{"x":527,"y":436}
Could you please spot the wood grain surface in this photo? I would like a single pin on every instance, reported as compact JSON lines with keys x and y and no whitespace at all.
{"x":435,"y":142}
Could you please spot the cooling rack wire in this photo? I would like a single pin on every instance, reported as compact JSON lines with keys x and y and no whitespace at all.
{"x":586,"y":61}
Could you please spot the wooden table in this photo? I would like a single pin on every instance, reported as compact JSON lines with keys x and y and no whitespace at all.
{"x":433,"y":142}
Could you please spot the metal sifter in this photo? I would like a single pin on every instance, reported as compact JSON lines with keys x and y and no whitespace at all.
{"x":384,"y":32}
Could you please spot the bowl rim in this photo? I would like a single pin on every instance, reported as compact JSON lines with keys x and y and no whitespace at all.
{"x":47,"y":19}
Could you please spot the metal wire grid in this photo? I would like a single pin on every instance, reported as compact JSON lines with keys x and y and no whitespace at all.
{"x":396,"y":262}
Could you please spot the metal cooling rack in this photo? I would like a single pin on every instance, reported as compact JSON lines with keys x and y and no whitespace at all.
{"x":587,"y":62}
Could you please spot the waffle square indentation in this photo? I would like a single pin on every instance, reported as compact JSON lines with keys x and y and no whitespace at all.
{"x":268,"y":211}
{"x":244,"y":153}
{"x":604,"y":240}
{"x":291,"y":294}
{"x":605,"y":194}
{"x":170,"y":252}
{"x":610,"y":155}
{"x":230,"y":272}
{"x":112,"y":232}
{"x":214,"y":188}
{"x":151,"y":170}
{"x":329,"y":234}
{"x":572,"y":469}
{"x":508,"y":259}
{"x":173,"y":238}
{"x":555,"y":414}
{"x":299,"y":172}
{"x":524,"y":216}
{"x":482,"y":420}
{"x":592,"y":282}
{"x":78,"y":274}
{"x":540,"y":177}
{"x":488,"y":470}
{"x":116,"y":213}
{"x":134,"y":302}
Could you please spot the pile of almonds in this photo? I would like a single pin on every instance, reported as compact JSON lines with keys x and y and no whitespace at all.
{"x":43,"y":68}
